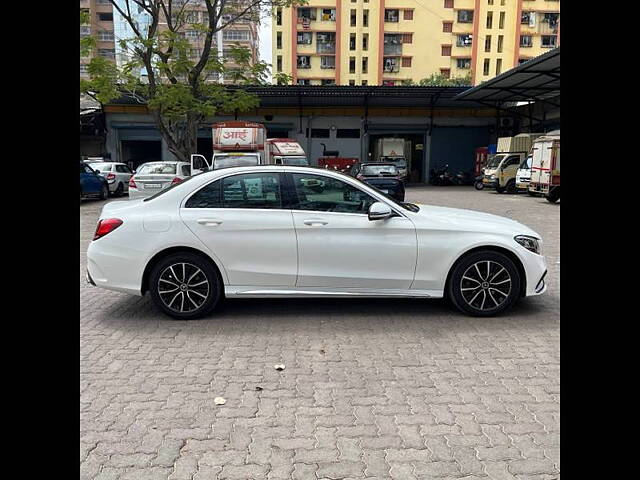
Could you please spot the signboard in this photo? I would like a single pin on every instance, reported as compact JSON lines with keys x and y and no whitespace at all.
{"x":289,"y":148}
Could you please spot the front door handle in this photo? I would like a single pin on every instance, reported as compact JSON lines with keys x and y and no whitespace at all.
{"x":315,"y":222}
{"x":209,"y":222}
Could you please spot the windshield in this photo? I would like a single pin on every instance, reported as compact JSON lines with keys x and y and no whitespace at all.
{"x":399,"y":162}
{"x":495,"y":161}
{"x":300,"y":161}
{"x":226,"y":161}
{"x":157,"y":169}
{"x":375,"y":170}
{"x":526,"y":164}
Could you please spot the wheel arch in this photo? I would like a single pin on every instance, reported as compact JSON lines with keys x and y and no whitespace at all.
{"x":493,"y":248}
{"x":153,"y":261}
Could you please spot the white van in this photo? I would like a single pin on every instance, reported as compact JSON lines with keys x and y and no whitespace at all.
{"x":523,"y":175}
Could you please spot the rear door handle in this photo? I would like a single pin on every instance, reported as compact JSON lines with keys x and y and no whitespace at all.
{"x":315,"y":222}
{"x":209,"y":222}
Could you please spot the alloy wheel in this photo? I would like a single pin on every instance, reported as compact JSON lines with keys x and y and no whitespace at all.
{"x":485,"y":285}
{"x":183,"y":287}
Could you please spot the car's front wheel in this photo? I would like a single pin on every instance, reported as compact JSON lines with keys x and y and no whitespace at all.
{"x":484,"y":283}
{"x":185,"y":286}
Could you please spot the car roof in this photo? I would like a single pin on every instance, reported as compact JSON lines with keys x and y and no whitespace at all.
{"x":385,"y":164}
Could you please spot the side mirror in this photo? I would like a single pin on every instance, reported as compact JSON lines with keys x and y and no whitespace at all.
{"x":379,"y":211}
{"x":97,"y":172}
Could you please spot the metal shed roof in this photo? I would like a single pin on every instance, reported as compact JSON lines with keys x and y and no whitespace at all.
{"x":353,"y":96}
{"x":535,"y":80}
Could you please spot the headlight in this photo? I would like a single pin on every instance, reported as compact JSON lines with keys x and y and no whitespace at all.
{"x":530,"y":243}
{"x":492,"y":177}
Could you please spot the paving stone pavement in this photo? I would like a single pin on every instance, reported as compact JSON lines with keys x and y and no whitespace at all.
{"x":373,"y":389}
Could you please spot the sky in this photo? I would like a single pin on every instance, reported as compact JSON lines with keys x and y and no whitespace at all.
{"x":265,"y":39}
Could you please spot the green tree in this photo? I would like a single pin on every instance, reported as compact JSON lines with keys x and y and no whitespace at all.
{"x":439,"y":80}
{"x":163,"y":70}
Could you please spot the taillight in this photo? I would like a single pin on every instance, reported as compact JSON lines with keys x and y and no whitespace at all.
{"x":111,"y":176}
{"x":106,"y":226}
{"x":132,"y":183}
{"x":176,"y":180}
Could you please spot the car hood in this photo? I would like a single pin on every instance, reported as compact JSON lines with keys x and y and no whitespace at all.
{"x":470,"y":220}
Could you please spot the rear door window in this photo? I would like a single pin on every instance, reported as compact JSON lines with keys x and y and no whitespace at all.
{"x":186,"y":170}
{"x":252,"y":190}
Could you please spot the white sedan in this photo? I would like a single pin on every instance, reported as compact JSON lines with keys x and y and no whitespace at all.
{"x":264,"y":231}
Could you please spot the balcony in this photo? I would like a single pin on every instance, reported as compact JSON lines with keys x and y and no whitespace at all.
{"x":464,"y":40}
{"x":303,"y":62}
{"x":328,"y":63}
{"x":392,"y":44}
{"x":326,"y":47}
{"x":541,"y":23}
{"x":391,"y":15}
{"x":325,"y":42}
{"x":391,"y":65}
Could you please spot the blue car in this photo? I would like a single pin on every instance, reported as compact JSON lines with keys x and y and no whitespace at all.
{"x":92,"y":184}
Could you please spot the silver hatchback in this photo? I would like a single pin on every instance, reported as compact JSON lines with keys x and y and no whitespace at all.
{"x":152,"y":177}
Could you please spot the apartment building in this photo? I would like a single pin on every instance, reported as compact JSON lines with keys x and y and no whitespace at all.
{"x":108,"y":26}
{"x":392,"y":42}
{"x":100,"y":26}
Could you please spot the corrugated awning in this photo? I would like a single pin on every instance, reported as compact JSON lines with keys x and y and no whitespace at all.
{"x":535,"y":80}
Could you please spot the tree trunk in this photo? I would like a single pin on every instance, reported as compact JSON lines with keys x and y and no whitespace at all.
{"x":180,"y":136}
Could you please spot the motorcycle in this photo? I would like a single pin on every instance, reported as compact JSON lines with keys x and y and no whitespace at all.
{"x":440,"y":176}
{"x":478,"y":182}
{"x":463,"y":178}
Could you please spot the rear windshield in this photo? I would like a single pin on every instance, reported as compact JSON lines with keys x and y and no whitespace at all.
{"x":399,"y":162}
{"x":103,"y":167}
{"x":165,"y":190}
{"x":390,"y":170}
{"x":157,"y":169}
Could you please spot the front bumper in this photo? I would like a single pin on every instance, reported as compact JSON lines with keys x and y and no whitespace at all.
{"x":522,"y":185}
{"x":489,"y":183}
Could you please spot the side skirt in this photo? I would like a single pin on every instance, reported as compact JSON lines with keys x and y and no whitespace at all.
{"x":283,"y":292}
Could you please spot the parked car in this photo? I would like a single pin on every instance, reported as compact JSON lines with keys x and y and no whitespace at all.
{"x":383,"y":176}
{"x":117,"y":175}
{"x":198,"y":241}
{"x":92,"y":184}
{"x":152,"y":177}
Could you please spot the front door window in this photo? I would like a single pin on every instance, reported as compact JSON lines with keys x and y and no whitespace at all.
{"x":326,"y":194}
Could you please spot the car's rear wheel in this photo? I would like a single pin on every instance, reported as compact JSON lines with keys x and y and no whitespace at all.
{"x":185,"y":286}
{"x":484,"y":283}
{"x":119,"y":190}
{"x":104,"y":193}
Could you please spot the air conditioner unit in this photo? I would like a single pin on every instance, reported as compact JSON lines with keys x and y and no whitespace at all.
{"x":506,"y":122}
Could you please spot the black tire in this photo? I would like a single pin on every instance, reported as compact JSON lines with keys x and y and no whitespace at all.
{"x":470,"y":303}
{"x":554,"y":195}
{"x":162,"y":271}
{"x":511,"y":186}
{"x":500,"y":189}
{"x":119,"y":190}
{"x":104,"y":194}
{"x":479,"y":185}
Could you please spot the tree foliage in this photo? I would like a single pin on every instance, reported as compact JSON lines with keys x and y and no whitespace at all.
{"x":180,"y":84}
{"x":439,"y":80}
